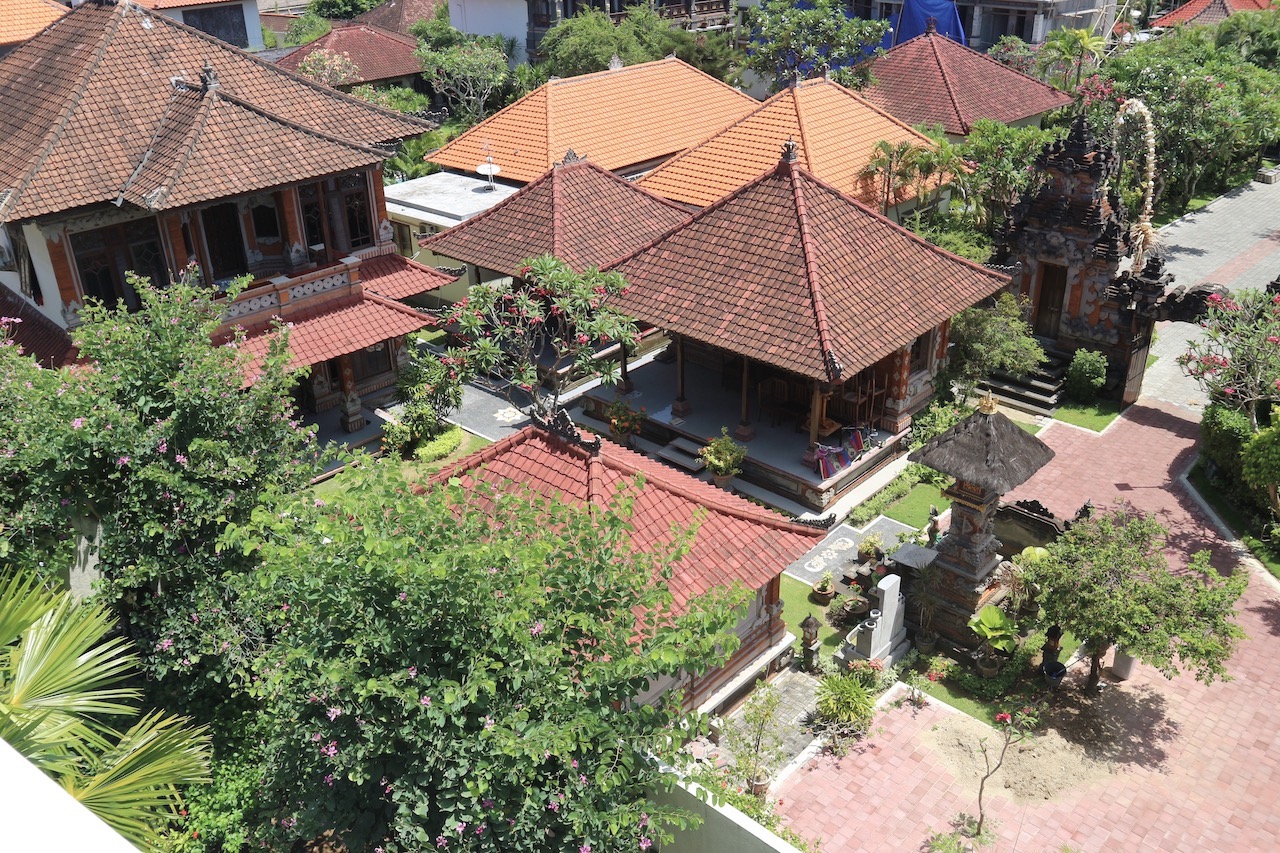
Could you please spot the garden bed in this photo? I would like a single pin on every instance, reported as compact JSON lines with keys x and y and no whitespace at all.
{"x":1091,"y":416}
{"x":1236,"y":520}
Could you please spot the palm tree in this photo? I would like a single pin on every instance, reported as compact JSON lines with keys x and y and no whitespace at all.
{"x":1070,"y":46}
{"x":894,"y":166}
{"x":61,"y":682}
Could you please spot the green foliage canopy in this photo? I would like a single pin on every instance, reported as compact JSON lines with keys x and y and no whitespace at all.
{"x":1237,"y":359}
{"x":790,"y":42}
{"x":985,"y":339}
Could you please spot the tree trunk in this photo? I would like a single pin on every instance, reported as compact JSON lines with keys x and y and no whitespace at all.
{"x":1095,"y":669}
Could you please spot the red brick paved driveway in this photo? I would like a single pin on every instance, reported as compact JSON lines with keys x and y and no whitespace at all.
{"x":1198,"y":768}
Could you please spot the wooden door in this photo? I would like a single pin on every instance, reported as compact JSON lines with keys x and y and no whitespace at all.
{"x":1053,"y":289}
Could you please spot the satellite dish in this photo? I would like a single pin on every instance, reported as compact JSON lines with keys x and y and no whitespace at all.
{"x":489,"y":168}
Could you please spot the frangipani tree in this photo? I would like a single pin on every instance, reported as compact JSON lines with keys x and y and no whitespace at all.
{"x":62,"y":688}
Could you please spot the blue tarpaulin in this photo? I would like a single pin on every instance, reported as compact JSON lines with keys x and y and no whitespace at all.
{"x":913,"y":20}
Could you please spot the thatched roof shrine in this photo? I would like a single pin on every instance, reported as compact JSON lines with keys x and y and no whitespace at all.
{"x":986,"y":449}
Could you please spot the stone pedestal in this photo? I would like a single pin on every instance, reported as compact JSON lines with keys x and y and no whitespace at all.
{"x":882,"y":634}
{"x":967,"y":556}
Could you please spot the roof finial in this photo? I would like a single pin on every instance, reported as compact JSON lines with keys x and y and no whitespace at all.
{"x":987,"y":405}
{"x":208,"y":77}
{"x":930,"y":24}
{"x":790,"y":150}
{"x":615,"y":63}
{"x":571,"y":156}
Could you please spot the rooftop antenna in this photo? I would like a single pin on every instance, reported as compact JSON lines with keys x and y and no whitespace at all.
{"x":489,"y":168}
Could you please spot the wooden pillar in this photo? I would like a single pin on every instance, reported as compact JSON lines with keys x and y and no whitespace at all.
{"x":289,"y":206}
{"x":352,"y":411}
{"x":681,"y":406}
{"x":815,"y":418}
{"x":625,"y":385}
{"x":745,"y":432}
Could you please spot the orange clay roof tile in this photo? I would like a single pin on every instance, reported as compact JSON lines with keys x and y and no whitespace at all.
{"x":82,"y":103}
{"x":399,"y":15}
{"x":790,"y":272}
{"x":836,"y":129}
{"x":1208,"y":11}
{"x":579,"y":212}
{"x":22,"y":19}
{"x":931,"y":80}
{"x":619,"y":118}
{"x":736,"y":540}
{"x":396,"y":277}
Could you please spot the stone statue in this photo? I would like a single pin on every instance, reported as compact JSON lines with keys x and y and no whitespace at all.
{"x":934,"y":527}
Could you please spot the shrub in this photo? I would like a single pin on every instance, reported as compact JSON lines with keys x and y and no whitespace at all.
{"x":841,"y":615}
{"x":1086,"y":375}
{"x":879,"y":502}
{"x":846,"y":701}
{"x":1224,"y":432}
{"x":868,"y":673}
{"x":990,"y":689}
{"x":435,"y":449}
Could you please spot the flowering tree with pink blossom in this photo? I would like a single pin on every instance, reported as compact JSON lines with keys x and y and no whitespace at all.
{"x":541,"y":330}
{"x":1237,"y":360}
{"x":461,"y":670}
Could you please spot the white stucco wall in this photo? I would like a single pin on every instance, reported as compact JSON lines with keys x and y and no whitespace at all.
{"x":508,"y":18}
{"x":724,"y":829}
{"x":39,"y":249}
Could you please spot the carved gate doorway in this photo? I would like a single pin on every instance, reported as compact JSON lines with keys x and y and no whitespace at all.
{"x":1053,"y":289}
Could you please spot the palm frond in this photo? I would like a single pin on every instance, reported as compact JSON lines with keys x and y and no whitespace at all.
{"x":134,"y":786}
{"x":23,"y":600}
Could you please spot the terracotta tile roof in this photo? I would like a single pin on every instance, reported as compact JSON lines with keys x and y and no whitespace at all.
{"x":334,"y":328}
{"x":81,"y":103}
{"x":736,"y":541}
{"x":378,"y":53}
{"x":617,"y":118}
{"x":36,"y":334}
{"x":178,"y":4}
{"x":932,"y":80}
{"x":399,"y":15}
{"x":209,"y":139}
{"x":22,"y":19}
{"x":1208,"y":11}
{"x":791,"y":273}
{"x":579,"y":212}
{"x":836,"y":130}
{"x":396,"y":277}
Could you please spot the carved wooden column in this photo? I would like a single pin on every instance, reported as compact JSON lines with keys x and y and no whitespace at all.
{"x":352,"y":411}
{"x":815,"y":418}
{"x":681,"y":406}
{"x":745,"y":431}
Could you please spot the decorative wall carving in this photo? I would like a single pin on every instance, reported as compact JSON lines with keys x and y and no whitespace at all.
{"x":320,"y":285}
{"x":252,"y":305}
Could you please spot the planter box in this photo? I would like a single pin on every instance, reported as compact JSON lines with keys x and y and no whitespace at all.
{"x":1267,"y":176}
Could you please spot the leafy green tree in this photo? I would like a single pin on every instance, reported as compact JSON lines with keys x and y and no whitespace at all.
{"x":460,"y":669}
{"x":62,"y":688}
{"x":343,"y":10}
{"x":1260,"y":464}
{"x":1107,"y":581}
{"x":1001,"y":161}
{"x":399,"y":98}
{"x":1015,"y":53}
{"x":985,"y":339}
{"x":307,"y":29}
{"x":894,"y":167}
{"x":471,"y":75}
{"x":1254,"y":35}
{"x":1072,"y":48}
{"x":1237,"y":359}
{"x":589,"y":40}
{"x":549,"y":324}
{"x":790,"y":42}
{"x":146,"y":451}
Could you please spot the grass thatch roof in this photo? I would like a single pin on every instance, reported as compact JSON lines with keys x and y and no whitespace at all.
{"x":986,"y":449}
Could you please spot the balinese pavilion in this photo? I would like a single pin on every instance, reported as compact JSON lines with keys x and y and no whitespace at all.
{"x":989,"y":455}
{"x":802,"y":319}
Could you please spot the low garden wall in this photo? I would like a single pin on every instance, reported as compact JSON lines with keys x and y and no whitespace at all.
{"x":724,"y":829}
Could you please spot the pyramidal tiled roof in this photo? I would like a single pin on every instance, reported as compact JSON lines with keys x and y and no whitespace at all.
{"x":577,"y":211}
{"x":21,"y":19}
{"x":618,"y":118}
{"x":399,"y":15}
{"x":82,"y":103}
{"x":378,"y":54}
{"x":1208,"y":11}
{"x":835,"y":128}
{"x":736,"y":540}
{"x":790,"y":272}
{"x":931,"y":80}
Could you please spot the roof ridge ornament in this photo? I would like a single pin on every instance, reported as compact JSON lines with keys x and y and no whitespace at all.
{"x":930,"y":25}
{"x":571,"y":157}
{"x":988,"y":405}
{"x":208,"y":77}
{"x":559,"y":424}
{"x":790,"y":150}
{"x":615,"y":63}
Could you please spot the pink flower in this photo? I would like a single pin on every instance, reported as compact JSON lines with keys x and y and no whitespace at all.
{"x":77,"y":423}
{"x":402,"y":596}
{"x":165,"y":644}
{"x":334,"y":713}
{"x":180,"y":459}
{"x":1004,"y":718}
{"x":486,"y":803}
{"x":488,"y":722}
{"x":1228,"y":390}
{"x":536,"y":629}
{"x":328,"y":779}
{"x":586,"y":848}
{"x":645,"y":843}
{"x":574,"y":764}
{"x":425,"y":701}
{"x":441,"y":841}
{"x":413,"y":672}
{"x":163,"y":446}
{"x":461,"y":827}
{"x":330,"y":750}
{"x":122,"y":461}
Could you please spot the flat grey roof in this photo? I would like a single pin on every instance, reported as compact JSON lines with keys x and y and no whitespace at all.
{"x":445,"y":198}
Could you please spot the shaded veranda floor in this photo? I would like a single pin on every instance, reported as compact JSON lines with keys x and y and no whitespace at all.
{"x":1194,"y":767}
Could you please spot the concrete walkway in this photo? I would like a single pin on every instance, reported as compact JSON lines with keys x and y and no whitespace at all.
{"x":1194,"y":768}
{"x":1233,"y":241}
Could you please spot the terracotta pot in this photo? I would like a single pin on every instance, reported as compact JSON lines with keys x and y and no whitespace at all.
{"x":823,"y":596}
{"x":722,"y":480}
{"x":989,"y":666}
{"x":926,"y":642}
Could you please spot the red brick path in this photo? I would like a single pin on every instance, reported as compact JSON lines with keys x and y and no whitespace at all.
{"x":1198,"y":767}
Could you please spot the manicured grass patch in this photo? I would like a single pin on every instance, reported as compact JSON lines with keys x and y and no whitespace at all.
{"x":796,"y":605}
{"x":913,"y":509}
{"x":961,"y":701}
{"x":1152,"y":359}
{"x":412,"y":470}
{"x":432,"y":336}
{"x":1235,"y":519}
{"x":1031,"y":428}
{"x":1094,"y":416}
{"x":1164,"y":217}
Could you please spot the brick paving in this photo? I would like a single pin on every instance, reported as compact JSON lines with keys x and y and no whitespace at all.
{"x":1197,"y":768}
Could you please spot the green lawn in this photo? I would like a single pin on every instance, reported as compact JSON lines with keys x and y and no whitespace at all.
{"x":412,"y":469}
{"x":913,"y":508}
{"x":1094,"y":416}
{"x":1152,"y":359}
{"x":796,"y":605}
{"x":944,"y":692}
{"x":1166,"y":216}
{"x":432,"y":336}
{"x":1236,"y":520}
{"x":1031,"y":428}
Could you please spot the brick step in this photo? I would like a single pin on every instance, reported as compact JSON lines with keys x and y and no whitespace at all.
{"x":680,"y":457}
{"x":1039,"y":381}
{"x":1016,"y":401}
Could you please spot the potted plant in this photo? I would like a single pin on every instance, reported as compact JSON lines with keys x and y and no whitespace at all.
{"x":998,"y":633}
{"x":849,"y":610}
{"x":925,"y":598}
{"x":623,"y":422}
{"x":871,"y":547}
{"x":824,"y":588}
{"x":723,"y":457}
